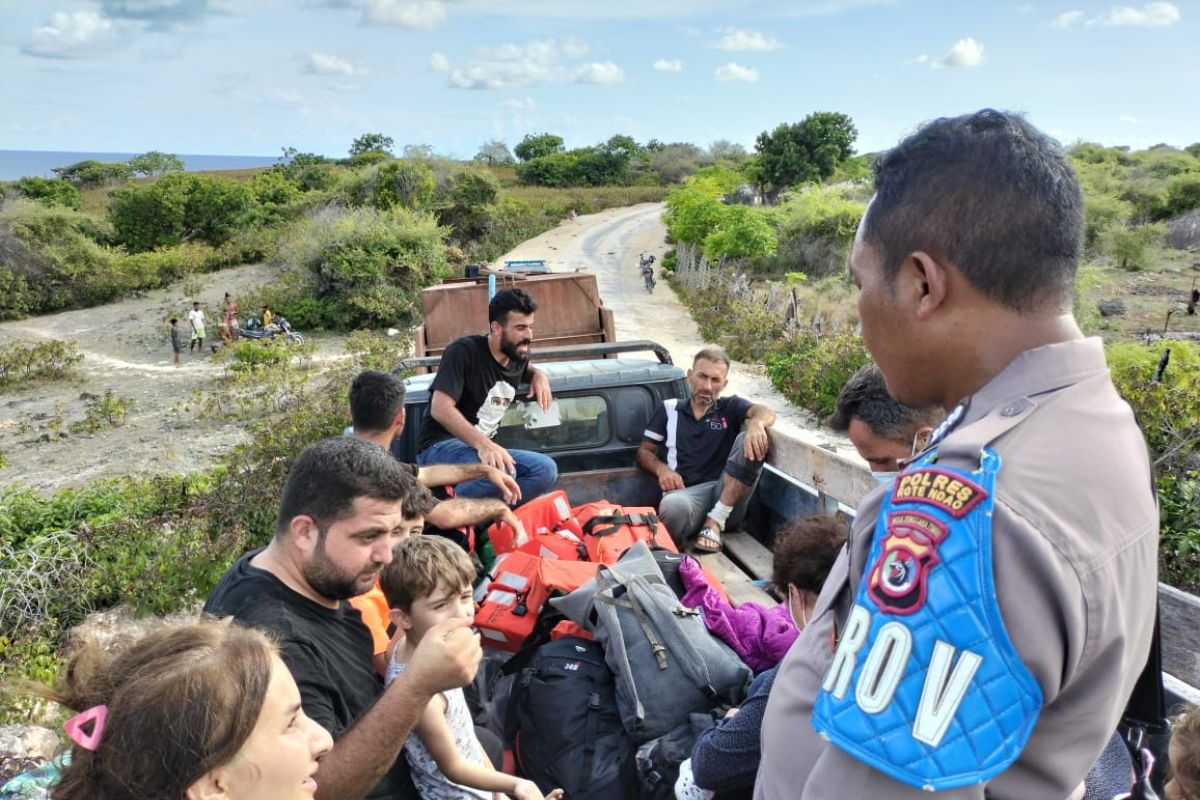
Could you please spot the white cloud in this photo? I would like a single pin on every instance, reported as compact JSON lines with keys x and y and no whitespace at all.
{"x":325,"y":64}
{"x":736,"y":72}
{"x":1127,"y":120}
{"x":965,"y":53}
{"x":75,"y":34}
{"x":668,"y":65}
{"x":599,"y":72}
{"x":439,"y":63}
{"x":921,"y":59}
{"x":1151,"y":15}
{"x":514,"y":66}
{"x":736,"y":41}
{"x":423,"y":14}
{"x":520,"y":104}
{"x":1066,"y":19}
{"x":160,"y":15}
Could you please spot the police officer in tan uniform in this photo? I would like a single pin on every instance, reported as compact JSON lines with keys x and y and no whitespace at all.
{"x":984,"y":628}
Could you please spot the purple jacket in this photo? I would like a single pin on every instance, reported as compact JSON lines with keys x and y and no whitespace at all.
{"x":759,"y":635}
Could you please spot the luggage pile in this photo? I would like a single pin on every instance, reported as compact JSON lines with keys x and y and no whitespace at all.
{"x":606,"y":658}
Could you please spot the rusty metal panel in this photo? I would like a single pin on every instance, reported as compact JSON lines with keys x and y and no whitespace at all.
{"x":569,"y":309}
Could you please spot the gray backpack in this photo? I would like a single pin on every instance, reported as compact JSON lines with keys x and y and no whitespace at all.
{"x":666,"y":663}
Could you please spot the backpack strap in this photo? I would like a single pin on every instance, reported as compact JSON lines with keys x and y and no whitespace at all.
{"x":540,"y":635}
{"x":616,"y":521}
{"x":605,"y":580}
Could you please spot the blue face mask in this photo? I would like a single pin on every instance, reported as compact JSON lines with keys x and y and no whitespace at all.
{"x":884,"y":478}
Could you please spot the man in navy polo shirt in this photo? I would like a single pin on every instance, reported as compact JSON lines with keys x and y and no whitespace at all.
{"x":714,"y":448}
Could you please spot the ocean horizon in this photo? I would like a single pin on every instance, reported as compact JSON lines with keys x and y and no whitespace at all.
{"x":16,"y":164}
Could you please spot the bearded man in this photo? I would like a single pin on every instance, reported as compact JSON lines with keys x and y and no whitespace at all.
{"x":341,"y":514}
{"x":712,"y":451}
{"x":476,"y":382}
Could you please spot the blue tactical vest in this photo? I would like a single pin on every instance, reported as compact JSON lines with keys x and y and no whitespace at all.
{"x":925,"y":684}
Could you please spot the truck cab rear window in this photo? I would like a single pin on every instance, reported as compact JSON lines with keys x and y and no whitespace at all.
{"x":585,"y":423}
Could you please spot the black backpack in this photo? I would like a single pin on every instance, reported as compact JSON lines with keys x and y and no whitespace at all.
{"x":564,"y":727}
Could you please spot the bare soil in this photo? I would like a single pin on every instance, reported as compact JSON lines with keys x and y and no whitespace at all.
{"x":127,"y":350}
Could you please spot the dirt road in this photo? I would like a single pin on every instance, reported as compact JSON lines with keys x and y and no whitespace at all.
{"x":126,"y":350}
{"x":608,"y":244}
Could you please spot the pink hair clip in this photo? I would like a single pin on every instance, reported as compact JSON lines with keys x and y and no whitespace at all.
{"x":74,"y":726}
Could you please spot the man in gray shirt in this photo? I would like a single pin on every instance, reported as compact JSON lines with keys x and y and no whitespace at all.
{"x":984,"y":628}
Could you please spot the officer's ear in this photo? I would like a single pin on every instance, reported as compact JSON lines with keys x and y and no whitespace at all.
{"x":929,"y":280}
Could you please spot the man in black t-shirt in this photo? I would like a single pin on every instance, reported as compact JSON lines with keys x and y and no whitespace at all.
{"x":377,"y":410}
{"x":476,"y":382}
{"x":714,"y":449}
{"x":339,"y":518}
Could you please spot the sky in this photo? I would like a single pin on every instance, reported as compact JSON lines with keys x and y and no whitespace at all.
{"x":249,"y":77}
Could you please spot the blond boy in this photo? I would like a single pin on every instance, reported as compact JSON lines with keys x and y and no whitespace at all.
{"x":428,"y":582}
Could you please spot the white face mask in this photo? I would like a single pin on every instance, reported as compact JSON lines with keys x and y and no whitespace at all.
{"x":884,"y":478}
{"x":801,"y":623}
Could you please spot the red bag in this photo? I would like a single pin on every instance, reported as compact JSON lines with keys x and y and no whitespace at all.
{"x":514,"y":599}
{"x":609,"y":530}
{"x":552,"y":529}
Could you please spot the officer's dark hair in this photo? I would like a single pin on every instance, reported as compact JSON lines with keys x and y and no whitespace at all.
{"x":330,"y":475}
{"x":804,"y":552}
{"x":989,"y":193}
{"x":375,"y":399}
{"x":508,"y":300}
{"x":866,"y":397}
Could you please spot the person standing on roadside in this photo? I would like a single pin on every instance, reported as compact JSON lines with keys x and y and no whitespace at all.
{"x":982,"y":632}
{"x":196,"y":320}
{"x":176,"y":339}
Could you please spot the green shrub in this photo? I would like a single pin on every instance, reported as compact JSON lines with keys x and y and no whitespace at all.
{"x":1102,"y":214}
{"x":1169,"y":413}
{"x":1131,"y":247}
{"x":48,"y":191}
{"x":1183,"y":194}
{"x":693,"y":213}
{"x":742,"y":232}
{"x":178,"y":208}
{"x":810,"y":369}
{"x":368,"y":264}
{"x":21,"y":362}
{"x":816,"y":230}
{"x":105,"y":411}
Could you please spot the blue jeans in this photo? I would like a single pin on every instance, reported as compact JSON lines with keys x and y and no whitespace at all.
{"x":536,"y":473}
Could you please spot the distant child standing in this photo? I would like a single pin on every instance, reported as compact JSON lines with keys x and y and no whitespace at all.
{"x":196,"y":319}
{"x":429,"y":581}
{"x":267,"y":316}
{"x":229,"y":306}
{"x":176,"y":339}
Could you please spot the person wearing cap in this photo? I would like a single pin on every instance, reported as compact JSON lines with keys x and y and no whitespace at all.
{"x":985,"y":627}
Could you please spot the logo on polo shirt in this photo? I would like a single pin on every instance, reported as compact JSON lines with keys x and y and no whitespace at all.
{"x":718,"y":423}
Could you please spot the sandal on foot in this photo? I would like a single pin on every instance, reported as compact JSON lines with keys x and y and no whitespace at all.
{"x":708,"y":540}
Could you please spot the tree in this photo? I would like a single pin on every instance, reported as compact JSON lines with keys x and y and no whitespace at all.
{"x":417,"y":152}
{"x":371,"y":143}
{"x":402,"y":183}
{"x":178,"y":208}
{"x":741,"y":232}
{"x":494,"y":153}
{"x":467,"y":203}
{"x":48,"y":191}
{"x":553,"y":169}
{"x":674,"y":162}
{"x":155,"y":163}
{"x":803,"y":152}
{"x":538,"y":146}
{"x":692,"y":214}
{"x":725,"y":150}
{"x":95,"y":173}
